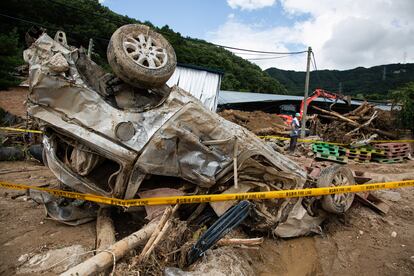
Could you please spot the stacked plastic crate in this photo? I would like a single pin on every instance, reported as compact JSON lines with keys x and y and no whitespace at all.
{"x":393,"y":152}
{"x":329,"y":152}
{"x":363,"y":154}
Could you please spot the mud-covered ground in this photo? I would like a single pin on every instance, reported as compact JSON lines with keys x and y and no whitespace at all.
{"x":359,"y":243}
{"x":12,"y":100}
{"x":23,"y":227}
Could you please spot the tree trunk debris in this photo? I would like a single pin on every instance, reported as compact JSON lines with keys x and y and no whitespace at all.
{"x":356,"y":124}
{"x":246,"y":242}
{"x":105,"y":259}
{"x":105,"y":230}
{"x":157,"y":235}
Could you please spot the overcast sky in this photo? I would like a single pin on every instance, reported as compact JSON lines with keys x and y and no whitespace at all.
{"x":343,"y":34}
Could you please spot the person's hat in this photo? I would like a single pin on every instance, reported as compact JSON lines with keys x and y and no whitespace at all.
{"x":297,"y":115}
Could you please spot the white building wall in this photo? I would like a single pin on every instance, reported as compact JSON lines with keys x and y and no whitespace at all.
{"x":201,"y":84}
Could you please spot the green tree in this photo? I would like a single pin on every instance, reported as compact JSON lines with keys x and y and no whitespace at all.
{"x":353,"y":82}
{"x":10,"y":57}
{"x":405,"y":96}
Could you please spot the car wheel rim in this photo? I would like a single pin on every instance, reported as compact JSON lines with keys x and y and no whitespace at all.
{"x":145,"y":51}
{"x":340,"y":180}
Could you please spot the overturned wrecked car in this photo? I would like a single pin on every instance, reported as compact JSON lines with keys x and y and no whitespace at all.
{"x":128,"y":135}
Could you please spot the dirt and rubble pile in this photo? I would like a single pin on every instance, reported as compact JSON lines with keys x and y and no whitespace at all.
{"x":359,"y":124}
{"x":259,"y":122}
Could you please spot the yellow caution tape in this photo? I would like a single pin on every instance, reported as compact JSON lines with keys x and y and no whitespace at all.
{"x":20,"y":130}
{"x":216,"y":197}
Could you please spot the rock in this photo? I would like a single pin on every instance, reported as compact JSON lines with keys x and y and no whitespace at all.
{"x":394,"y":234}
{"x":388,"y":195}
{"x":57,"y":260}
{"x":361,"y":232}
{"x":23,"y":258}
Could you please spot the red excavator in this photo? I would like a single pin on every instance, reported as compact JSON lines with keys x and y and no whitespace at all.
{"x":316,"y":94}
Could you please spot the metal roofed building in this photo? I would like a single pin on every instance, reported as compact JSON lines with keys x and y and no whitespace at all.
{"x":275,"y":103}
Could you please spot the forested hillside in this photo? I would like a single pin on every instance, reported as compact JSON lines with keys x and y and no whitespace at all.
{"x":373,"y":83}
{"x":84,"y":19}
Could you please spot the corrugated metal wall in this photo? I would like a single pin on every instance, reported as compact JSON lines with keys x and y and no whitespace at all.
{"x":201,"y":84}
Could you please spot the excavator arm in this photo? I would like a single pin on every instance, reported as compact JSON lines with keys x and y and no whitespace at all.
{"x":324,"y":94}
{"x":316,"y":94}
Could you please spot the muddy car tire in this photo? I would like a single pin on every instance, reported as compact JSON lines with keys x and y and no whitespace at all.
{"x":336,"y":175}
{"x":140,"y":56}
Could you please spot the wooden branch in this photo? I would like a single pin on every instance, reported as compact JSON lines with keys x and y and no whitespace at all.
{"x":365,"y":124}
{"x":353,"y":123}
{"x":157,"y":240}
{"x":247,"y":242}
{"x":358,"y":109}
{"x":327,"y":117}
{"x":104,"y":260}
{"x":162,"y":222}
{"x":337,"y":115}
{"x":105,"y":230}
{"x":235,"y":153}
{"x":365,"y":110}
{"x":352,"y":117}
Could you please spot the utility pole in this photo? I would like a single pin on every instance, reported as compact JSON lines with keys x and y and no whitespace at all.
{"x":90,"y":47}
{"x":305,"y":106}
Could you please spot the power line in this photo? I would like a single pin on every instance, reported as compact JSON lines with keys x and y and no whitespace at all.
{"x":268,"y":58}
{"x":257,"y":51}
{"x":251,"y":54}
{"x":26,"y":21}
{"x":314,"y":61}
{"x":313,"y":65}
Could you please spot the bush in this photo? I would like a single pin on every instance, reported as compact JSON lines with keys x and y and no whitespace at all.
{"x":405,"y":96}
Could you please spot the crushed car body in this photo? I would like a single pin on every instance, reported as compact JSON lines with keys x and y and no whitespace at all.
{"x":109,"y":135}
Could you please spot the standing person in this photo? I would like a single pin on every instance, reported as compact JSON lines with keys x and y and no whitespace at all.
{"x":294,"y":133}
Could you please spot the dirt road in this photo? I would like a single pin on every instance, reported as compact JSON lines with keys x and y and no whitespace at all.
{"x":359,"y":243}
